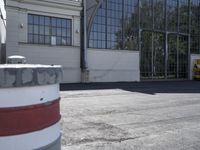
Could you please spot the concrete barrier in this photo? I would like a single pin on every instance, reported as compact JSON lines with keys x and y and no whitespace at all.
{"x":29,"y":107}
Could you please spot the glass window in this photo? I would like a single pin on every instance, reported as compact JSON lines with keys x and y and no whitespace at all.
{"x":116,"y":23}
{"x":111,"y":25}
{"x":195,"y":26}
{"x":41,"y":20}
{"x":41,"y":29}
{"x":30,"y":19}
{"x":53,"y":22}
{"x":35,"y":19}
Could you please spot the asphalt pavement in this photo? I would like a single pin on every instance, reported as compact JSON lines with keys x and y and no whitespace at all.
{"x":131,"y":116}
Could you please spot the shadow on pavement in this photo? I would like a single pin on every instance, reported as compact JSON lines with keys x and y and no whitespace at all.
{"x":142,"y":87}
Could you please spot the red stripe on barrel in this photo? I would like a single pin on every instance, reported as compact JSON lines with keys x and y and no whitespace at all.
{"x":20,"y":120}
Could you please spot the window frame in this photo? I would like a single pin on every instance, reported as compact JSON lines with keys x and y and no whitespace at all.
{"x":40,"y":30}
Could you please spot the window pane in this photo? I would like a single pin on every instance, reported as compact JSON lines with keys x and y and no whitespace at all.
{"x":58,"y":41}
{"x":30,"y":29}
{"x":47,"y":39}
{"x":36,"y":39}
{"x":69,"y":24}
{"x":30,"y":38}
{"x":64,"y":41}
{"x":36,"y":20}
{"x":41,"y":39}
{"x":53,"y":31}
{"x":64,"y":32}
{"x":68,"y":41}
{"x":30,"y":19}
{"x":53,"y":20}
{"x":47,"y":32}
{"x":58,"y":22}
{"x":42,"y":30}
{"x":68,"y":33}
{"x":59,"y":32}
{"x":64,"y":23}
{"x":41,"y":20}
{"x":47,"y":21}
{"x":36,"y":30}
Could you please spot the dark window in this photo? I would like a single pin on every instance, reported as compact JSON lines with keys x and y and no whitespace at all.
{"x":49,"y":30}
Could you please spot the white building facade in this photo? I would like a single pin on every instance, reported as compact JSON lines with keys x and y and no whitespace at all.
{"x":121,"y":41}
{"x":27,"y":35}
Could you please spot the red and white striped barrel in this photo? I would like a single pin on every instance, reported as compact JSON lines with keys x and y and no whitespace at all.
{"x":29,"y":107}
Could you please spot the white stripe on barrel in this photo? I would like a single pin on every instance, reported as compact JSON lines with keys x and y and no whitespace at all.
{"x":25,"y":96}
{"x":30,"y":141}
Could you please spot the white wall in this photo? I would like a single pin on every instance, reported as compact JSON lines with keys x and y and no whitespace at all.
{"x":67,"y":56}
{"x":193,"y":57}
{"x":113,"y":65}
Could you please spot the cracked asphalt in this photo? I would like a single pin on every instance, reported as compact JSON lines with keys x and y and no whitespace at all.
{"x":131,"y":116}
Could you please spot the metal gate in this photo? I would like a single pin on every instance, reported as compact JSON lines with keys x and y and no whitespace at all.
{"x":161,"y":58}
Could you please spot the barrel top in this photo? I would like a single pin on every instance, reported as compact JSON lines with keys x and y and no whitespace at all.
{"x":16,"y":56}
{"x":18,"y":66}
{"x":21,"y":75}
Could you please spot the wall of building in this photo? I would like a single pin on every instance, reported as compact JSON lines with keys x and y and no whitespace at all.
{"x":67,"y":56}
{"x":2,"y":29}
{"x":113,"y":65}
{"x":104,"y":65}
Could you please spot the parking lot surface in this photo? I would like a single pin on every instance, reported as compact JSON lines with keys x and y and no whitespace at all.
{"x":131,"y":116}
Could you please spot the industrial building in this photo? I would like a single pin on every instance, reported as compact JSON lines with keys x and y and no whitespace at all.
{"x":107,"y":40}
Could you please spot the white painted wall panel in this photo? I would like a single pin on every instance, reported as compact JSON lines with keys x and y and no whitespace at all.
{"x":12,"y":32}
{"x":23,"y":26}
{"x":113,"y":65}
{"x":76,"y":28}
{"x":68,"y":57}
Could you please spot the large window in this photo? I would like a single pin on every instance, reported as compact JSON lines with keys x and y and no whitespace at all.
{"x":49,"y":30}
{"x":114,"y":26}
{"x":118,"y":23}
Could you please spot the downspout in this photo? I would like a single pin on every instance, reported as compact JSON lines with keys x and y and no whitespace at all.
{"x":84,"y":64}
